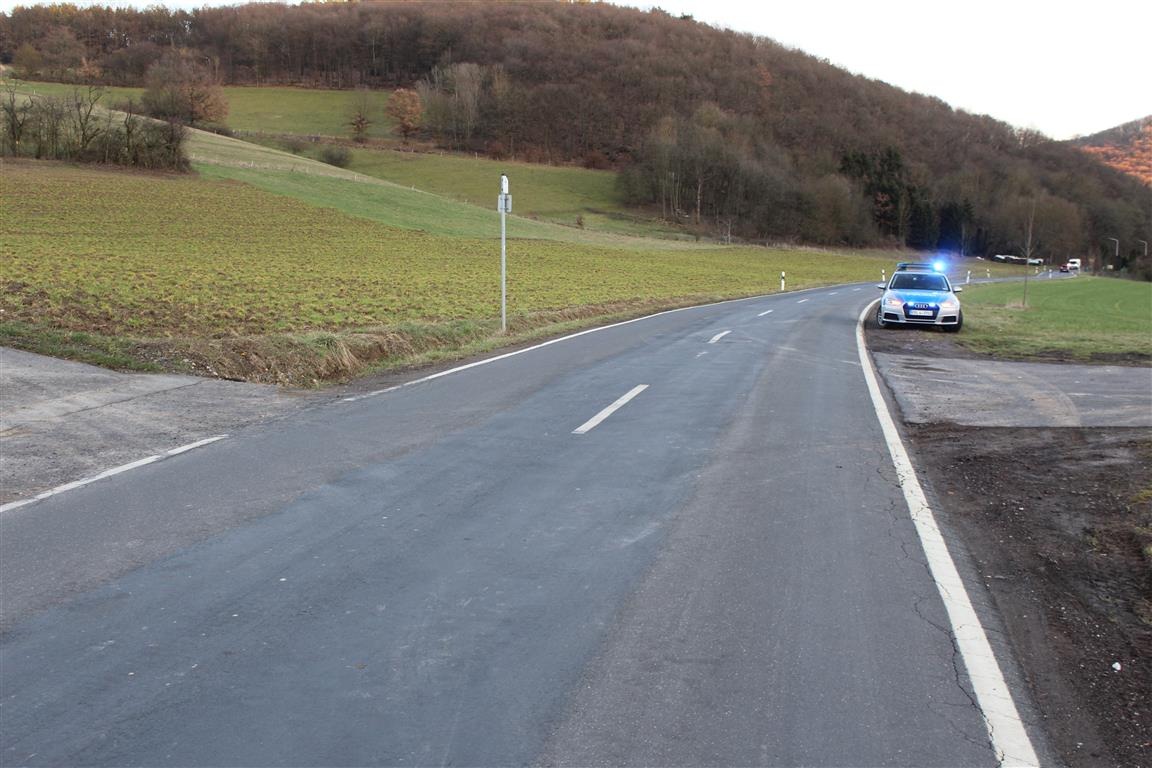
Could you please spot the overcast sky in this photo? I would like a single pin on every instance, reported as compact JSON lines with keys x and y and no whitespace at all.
{"x":1062,"y":68}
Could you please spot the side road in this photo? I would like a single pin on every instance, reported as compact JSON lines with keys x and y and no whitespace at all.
{"x":62,"y":421}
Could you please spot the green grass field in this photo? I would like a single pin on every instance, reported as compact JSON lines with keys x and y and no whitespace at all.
{"x":386,"y":202}
{"x":568,"y":196}
{"x":158,"y":255}
{"x":274,"y":111}
{"x":1087,"y":318}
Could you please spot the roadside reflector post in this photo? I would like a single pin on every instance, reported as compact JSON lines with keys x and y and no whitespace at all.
{"x":504,"y":204}
{"x":781,"y":282}
{"x":969,"y":278}
{"x":883,"y":276}
{"x":989,"y":271}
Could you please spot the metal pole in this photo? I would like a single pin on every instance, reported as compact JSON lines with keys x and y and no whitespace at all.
{"x":1116,"y":259}
{"x":503,"y":276}
{"x":504,"y":205}
{"x":1145,"y":242}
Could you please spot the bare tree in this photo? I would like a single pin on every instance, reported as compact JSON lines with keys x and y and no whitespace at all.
{"x":361,"y":115}
{"x":82,"y":107}
{"x":16,"y":109}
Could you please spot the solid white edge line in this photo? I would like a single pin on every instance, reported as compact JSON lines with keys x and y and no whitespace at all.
{"x":191,"y":446}
{"x":718,"y":336}
{"x":1006,"y":731}
{"x":550,"y":342}
{"x":595,"y":420}
{"x":108,"y":473}
{"x":366,"y":395}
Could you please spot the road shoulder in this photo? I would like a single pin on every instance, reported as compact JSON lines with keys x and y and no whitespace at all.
{"x":1049,"y":494}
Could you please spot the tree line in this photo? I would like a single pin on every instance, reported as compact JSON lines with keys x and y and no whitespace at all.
{"x":77,"y":128}
{"x":723,"y":131}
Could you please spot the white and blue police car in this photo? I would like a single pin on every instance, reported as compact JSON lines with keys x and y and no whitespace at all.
{"x":919,"y":294}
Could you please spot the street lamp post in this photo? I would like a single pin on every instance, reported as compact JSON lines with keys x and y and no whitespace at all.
{"x":1145,"y":242}
{"x":1116,"y":259}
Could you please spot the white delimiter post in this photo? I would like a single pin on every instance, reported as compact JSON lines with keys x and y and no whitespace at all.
{"x":504,"y":206}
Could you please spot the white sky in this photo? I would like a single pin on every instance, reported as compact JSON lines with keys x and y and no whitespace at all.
{"x":1060,"y":67}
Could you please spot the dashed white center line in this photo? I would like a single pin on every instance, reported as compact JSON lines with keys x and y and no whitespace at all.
{"x":595,"y":420}
{"x":834,"y":293}
{"x":856,"y":289}
{"x":767,"y":312}
{"x":718,"y":336}
{"x":802,"y":301}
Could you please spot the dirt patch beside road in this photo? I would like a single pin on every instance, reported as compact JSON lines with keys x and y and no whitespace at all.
{"x":1058,"y":520}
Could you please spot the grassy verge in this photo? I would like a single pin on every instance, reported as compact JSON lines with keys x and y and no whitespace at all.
{"x":93,"y":348}
{"x":1088,"y":318}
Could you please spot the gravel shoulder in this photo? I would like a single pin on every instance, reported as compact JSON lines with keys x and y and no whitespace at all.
{"x":1051,"y":494}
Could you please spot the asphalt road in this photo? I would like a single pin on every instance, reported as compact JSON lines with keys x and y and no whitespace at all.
{"x":721,"y":571}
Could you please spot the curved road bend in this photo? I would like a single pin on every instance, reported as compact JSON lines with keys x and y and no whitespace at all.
{"x":720,"y":571}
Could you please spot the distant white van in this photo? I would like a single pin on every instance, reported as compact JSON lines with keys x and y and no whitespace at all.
{"x":1074,"y":264}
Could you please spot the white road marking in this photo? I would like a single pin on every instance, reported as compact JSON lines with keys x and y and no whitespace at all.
{"x":595,"y":420}
{"x":108,"y":473}
{"x":191,"y":446}
{"x":354,"y":398}
{"x":718,"y":336}
{"x":856,"y":289}
{"x":550,"y":342}
{"x":1005,"y":729}
{"x":802,"y":301}
{"x":701,"y":354}
{"x":834,"y":293}
{"x":766,"y":312}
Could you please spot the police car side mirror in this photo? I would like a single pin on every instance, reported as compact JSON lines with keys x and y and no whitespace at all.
{"x":881,"y":286}
{"x":958,"y":289}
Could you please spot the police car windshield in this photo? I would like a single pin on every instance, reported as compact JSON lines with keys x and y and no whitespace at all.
{"x":919,"y":281}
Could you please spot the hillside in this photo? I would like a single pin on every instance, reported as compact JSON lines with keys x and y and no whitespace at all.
{"x":1127,"y":148}
{"x":726,"y":133}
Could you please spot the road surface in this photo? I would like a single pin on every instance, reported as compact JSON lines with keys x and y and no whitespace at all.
{"x":676,"y":541}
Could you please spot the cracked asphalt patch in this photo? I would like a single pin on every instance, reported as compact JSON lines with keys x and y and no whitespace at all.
{"x":61,"y":421}
{"x":1044,"y":472}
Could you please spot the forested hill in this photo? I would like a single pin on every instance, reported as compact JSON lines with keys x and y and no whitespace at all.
{"x":722,"y":130}
{"x":1127,"y":148}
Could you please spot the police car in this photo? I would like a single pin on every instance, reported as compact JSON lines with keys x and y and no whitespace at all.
{"x":919,"y":294}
